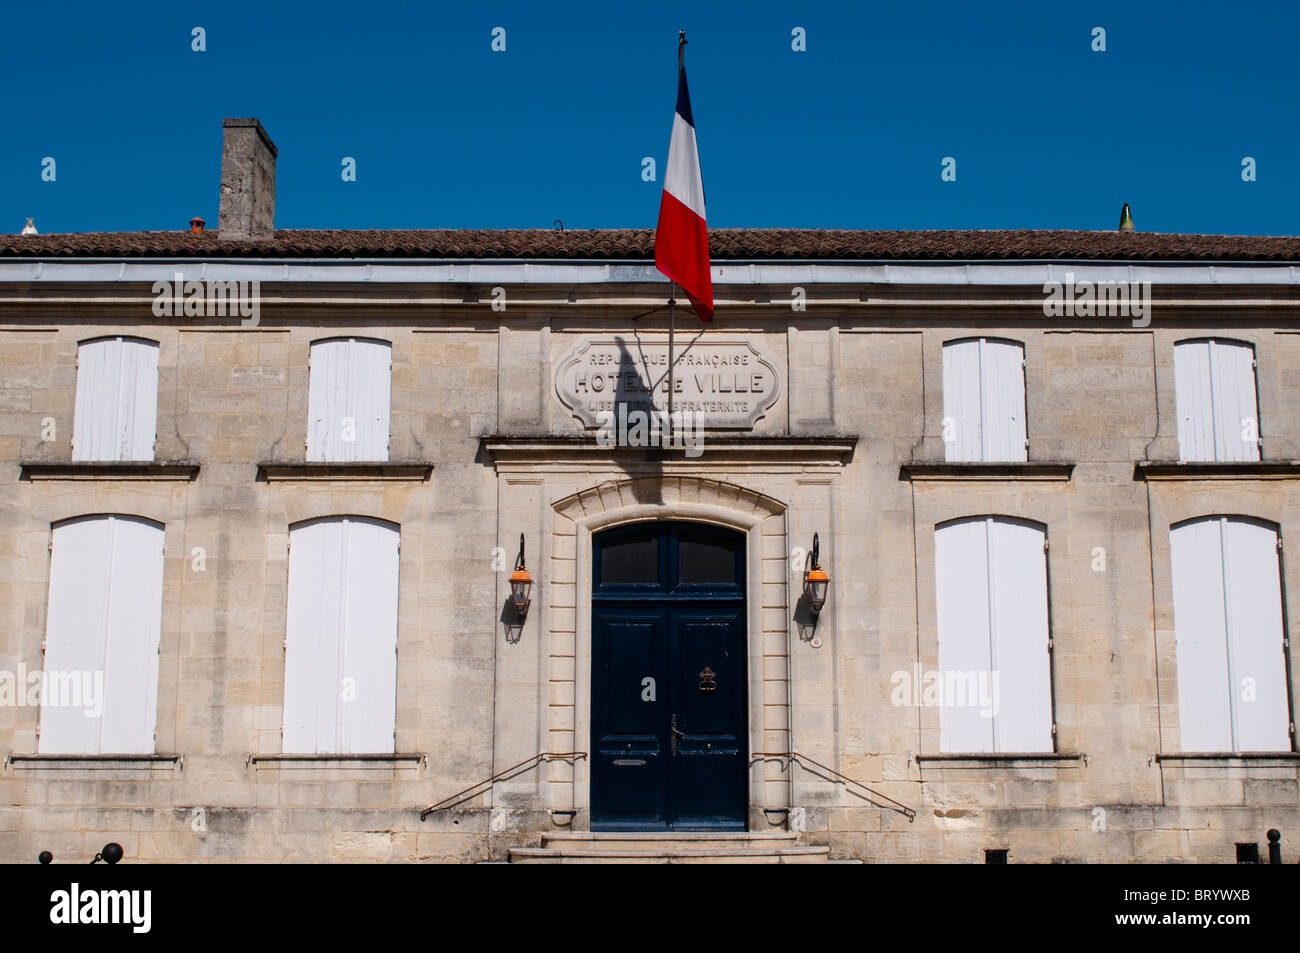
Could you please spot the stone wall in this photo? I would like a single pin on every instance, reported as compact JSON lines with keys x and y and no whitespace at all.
{"x":473,"y":702}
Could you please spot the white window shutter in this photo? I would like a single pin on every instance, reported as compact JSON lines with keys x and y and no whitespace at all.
{"x":370,"y":635}
{"x":116,"y":409}
{"x":138,"y":400}
{"x":342,"y":625}
{"x":1236,"y":412}
{"x":962,"y":600}
{"x":1019,"y":623}
{"x":1194,"y":400}
{"x":327,"y":400}
{"x":962,"y":401}
{"x":76,"y":628}
{"x":134,"y":633}
{"x":1002,"y":372}
{"x":1253,"y":587}
{"x":1218,"y":409}
{"x":104,"y":619}
{"x":1204,"y":699}
{"x":94,"y":426}
{"x":349,"y":397}
{"x":312,"y":642}
{"x":372,"y":363}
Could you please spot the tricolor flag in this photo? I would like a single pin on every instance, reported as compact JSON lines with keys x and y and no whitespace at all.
{"x":681,"y":240}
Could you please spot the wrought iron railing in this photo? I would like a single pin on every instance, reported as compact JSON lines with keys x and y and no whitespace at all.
{"x":788,"y":758}
{"x":482,"y":787}
{"x":830,"y":774}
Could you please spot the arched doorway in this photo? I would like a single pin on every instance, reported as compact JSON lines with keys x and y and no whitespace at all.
{"x":669,"y":707}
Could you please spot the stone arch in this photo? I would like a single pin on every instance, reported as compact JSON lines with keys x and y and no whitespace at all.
{"x":574,"y":519}
{"x":667,"y":492}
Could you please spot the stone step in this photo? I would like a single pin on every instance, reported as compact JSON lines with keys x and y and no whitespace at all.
{"x":650,"y":855}
{"x":676,"y":847}
{"x":669,"y":840}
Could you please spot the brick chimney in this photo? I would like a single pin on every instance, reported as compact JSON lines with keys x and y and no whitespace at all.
{"x":247,"y":208}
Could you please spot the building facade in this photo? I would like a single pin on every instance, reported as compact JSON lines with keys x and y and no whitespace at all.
{"x":264,"y":491}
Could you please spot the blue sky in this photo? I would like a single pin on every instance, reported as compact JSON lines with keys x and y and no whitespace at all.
{"x":850,"y":133}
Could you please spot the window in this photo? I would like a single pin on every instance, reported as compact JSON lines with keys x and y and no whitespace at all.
{"x":1231,"y":650}
{"x":348,"y":400}
{"x":116,"y":414}
{"x":1218,"y":418}
{"x":100,"y":687}
{"x":631,"y":557}
{"x":340,"y":667}
{"x":703,"y":559}
{"x":984,"y":401}
{"x":994,"y":677}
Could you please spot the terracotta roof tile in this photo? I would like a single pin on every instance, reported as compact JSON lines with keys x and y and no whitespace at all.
{"x":638,"y":244}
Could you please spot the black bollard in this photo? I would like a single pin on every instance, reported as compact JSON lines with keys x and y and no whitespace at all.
{"x":1274,"y":846}
{"x":111,"y":854}
{"x":44,"y":857}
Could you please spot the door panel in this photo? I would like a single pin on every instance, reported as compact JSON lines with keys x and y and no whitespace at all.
{"x":669,"y":699}
{"x":629,"y":777}
{"x":708,"y":684}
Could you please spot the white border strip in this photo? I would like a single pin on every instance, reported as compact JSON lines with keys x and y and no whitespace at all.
{"x":417,"y":271}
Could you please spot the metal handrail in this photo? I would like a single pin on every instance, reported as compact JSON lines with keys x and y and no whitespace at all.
{"x":830,"y":774}
{"x":571,"y":757}
{"x":482,"y":787}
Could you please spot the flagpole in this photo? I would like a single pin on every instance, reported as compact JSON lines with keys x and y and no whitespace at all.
{"x":672,"y":307}
{"x":672,"y":285}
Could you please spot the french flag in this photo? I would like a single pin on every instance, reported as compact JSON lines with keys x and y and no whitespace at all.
{"x":682,"y":240}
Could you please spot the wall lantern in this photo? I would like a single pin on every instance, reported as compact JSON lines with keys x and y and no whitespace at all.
{"x":815,"y":581}
{"x":521,"y":583}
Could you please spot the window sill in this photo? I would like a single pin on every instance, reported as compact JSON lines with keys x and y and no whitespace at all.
{"x":342,"y":472}
{"x":1208,"y":470}
{"x":361,"y":757}
{"x":1255,"y":756}
{"x":999,"y":758}
{"x":100,"y":761}
{"x":987,"y":472}
{"x":179,"y":470}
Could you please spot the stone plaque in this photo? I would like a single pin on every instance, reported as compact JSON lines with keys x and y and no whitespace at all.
{"x":728,"y":385}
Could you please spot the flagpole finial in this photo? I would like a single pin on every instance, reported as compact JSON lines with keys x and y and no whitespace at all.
{"x":1125,"y":219}
{"x":681,"y":47}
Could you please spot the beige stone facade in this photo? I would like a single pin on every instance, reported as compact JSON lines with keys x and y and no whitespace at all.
{"x":860,"y":404}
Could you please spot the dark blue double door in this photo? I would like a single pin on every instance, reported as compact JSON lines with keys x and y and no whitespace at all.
{"x":669,"y":699}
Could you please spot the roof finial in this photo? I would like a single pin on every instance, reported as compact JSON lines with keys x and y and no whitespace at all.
{"x":1126,"y":220}
{"x":29,"y":228}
